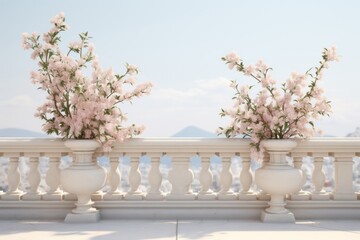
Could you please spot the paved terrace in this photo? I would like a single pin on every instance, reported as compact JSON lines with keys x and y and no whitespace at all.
{"x":193,"y":229}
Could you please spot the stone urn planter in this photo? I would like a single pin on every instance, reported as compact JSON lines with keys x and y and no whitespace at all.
{"x":82,"y":178}
{"x":278,"y":178}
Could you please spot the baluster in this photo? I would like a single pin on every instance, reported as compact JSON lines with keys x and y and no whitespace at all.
{"x":301,"y":195}
{"x":114,"y":179}
{"x":52,"y":179}
{"x":181,"y":178}
{"x":246,"y":179}
{"x":134,"y":181}
{"x":318,"y":178}
{"x":343,"y":167}
{"x":226,"y":180}
{"x":155,"y":180}
{"x":262,"y":195}
{"x":206,"y":179}
{"x":34,"y":180}
{"x":13,"y":192}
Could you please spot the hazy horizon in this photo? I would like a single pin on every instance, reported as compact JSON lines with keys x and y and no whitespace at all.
{"x":188,"y":131}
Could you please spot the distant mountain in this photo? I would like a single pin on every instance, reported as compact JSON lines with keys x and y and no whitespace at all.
{"x":355,"y":134}
{"x":17,"y":132}
{"x":192,"y":131}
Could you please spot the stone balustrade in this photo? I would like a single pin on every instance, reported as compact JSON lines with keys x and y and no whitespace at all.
{"x":157,"y":178}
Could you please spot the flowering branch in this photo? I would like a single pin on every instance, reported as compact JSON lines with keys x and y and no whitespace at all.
{"x":79,"y":106}
{"x":276,"y":113}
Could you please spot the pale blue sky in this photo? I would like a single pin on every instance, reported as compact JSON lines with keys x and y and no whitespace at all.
{"x":178,"y":45}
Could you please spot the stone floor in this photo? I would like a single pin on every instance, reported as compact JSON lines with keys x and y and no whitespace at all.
{"x":192,"y":229}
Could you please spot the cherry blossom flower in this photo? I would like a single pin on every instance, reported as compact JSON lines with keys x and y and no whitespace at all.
{"x":232,"y":59}
{"x":331,"y":54}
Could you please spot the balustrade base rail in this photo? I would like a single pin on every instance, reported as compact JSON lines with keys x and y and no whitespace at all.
{"x":202,"y":210}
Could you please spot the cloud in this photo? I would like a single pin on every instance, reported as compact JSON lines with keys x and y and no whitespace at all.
{"x":202,"y":89}
{"x":176,"y":94}
{"x":19,"y":101}
{"x":214,"y":84}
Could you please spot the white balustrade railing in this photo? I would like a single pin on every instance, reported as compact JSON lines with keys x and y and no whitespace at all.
{"x":131,"y":186}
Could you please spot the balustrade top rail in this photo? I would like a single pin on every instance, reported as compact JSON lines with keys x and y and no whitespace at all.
{"x":348,"y":146}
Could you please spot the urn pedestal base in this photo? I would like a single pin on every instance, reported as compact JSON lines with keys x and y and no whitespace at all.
{"x":83,"y":218}
{"x":277,"y":218}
